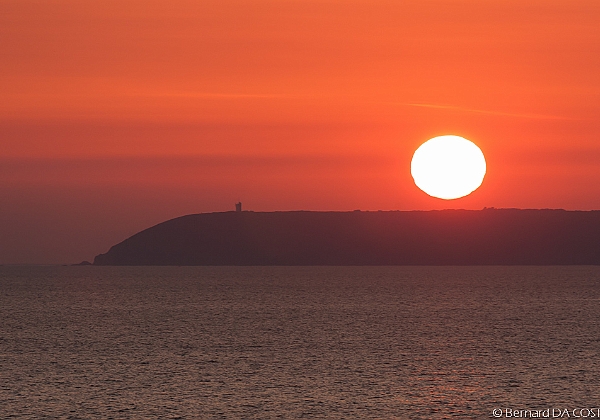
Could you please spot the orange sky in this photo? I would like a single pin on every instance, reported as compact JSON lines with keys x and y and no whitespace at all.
{"x":116,"y":115}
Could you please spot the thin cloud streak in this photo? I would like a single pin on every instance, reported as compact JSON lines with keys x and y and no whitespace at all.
{"x":221,"y":95}
{"x":487,"y":112}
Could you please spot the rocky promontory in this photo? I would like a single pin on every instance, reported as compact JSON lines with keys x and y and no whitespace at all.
{"x":445,"y":237}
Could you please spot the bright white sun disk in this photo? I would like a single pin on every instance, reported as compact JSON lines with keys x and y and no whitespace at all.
{"x":448,"y":167}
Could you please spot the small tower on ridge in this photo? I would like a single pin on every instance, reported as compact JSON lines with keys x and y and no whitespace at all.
{"x":238,"y":207}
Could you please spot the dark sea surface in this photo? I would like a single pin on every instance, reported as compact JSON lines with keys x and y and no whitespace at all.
{"x":298,"y":342}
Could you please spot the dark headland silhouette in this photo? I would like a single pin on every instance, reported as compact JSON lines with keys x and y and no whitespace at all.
{"x":445,"y":237}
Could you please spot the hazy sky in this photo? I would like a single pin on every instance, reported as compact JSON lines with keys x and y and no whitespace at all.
{"x":116,"y":115}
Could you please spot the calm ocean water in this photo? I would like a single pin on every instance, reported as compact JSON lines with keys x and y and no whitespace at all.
{"x":297,"y":342}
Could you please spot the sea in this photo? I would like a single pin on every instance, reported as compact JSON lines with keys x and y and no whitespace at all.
{"x":91,"y":342}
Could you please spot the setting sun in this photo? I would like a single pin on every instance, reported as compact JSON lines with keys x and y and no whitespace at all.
{"x":448,"y":167}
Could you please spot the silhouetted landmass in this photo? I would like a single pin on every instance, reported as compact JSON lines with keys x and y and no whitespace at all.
{"x":446,"y":237}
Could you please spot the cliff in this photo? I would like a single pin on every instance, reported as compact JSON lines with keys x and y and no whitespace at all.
{"x":446,"y":237}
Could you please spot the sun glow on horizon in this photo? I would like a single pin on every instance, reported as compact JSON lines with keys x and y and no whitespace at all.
{"x":448,"y":167}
